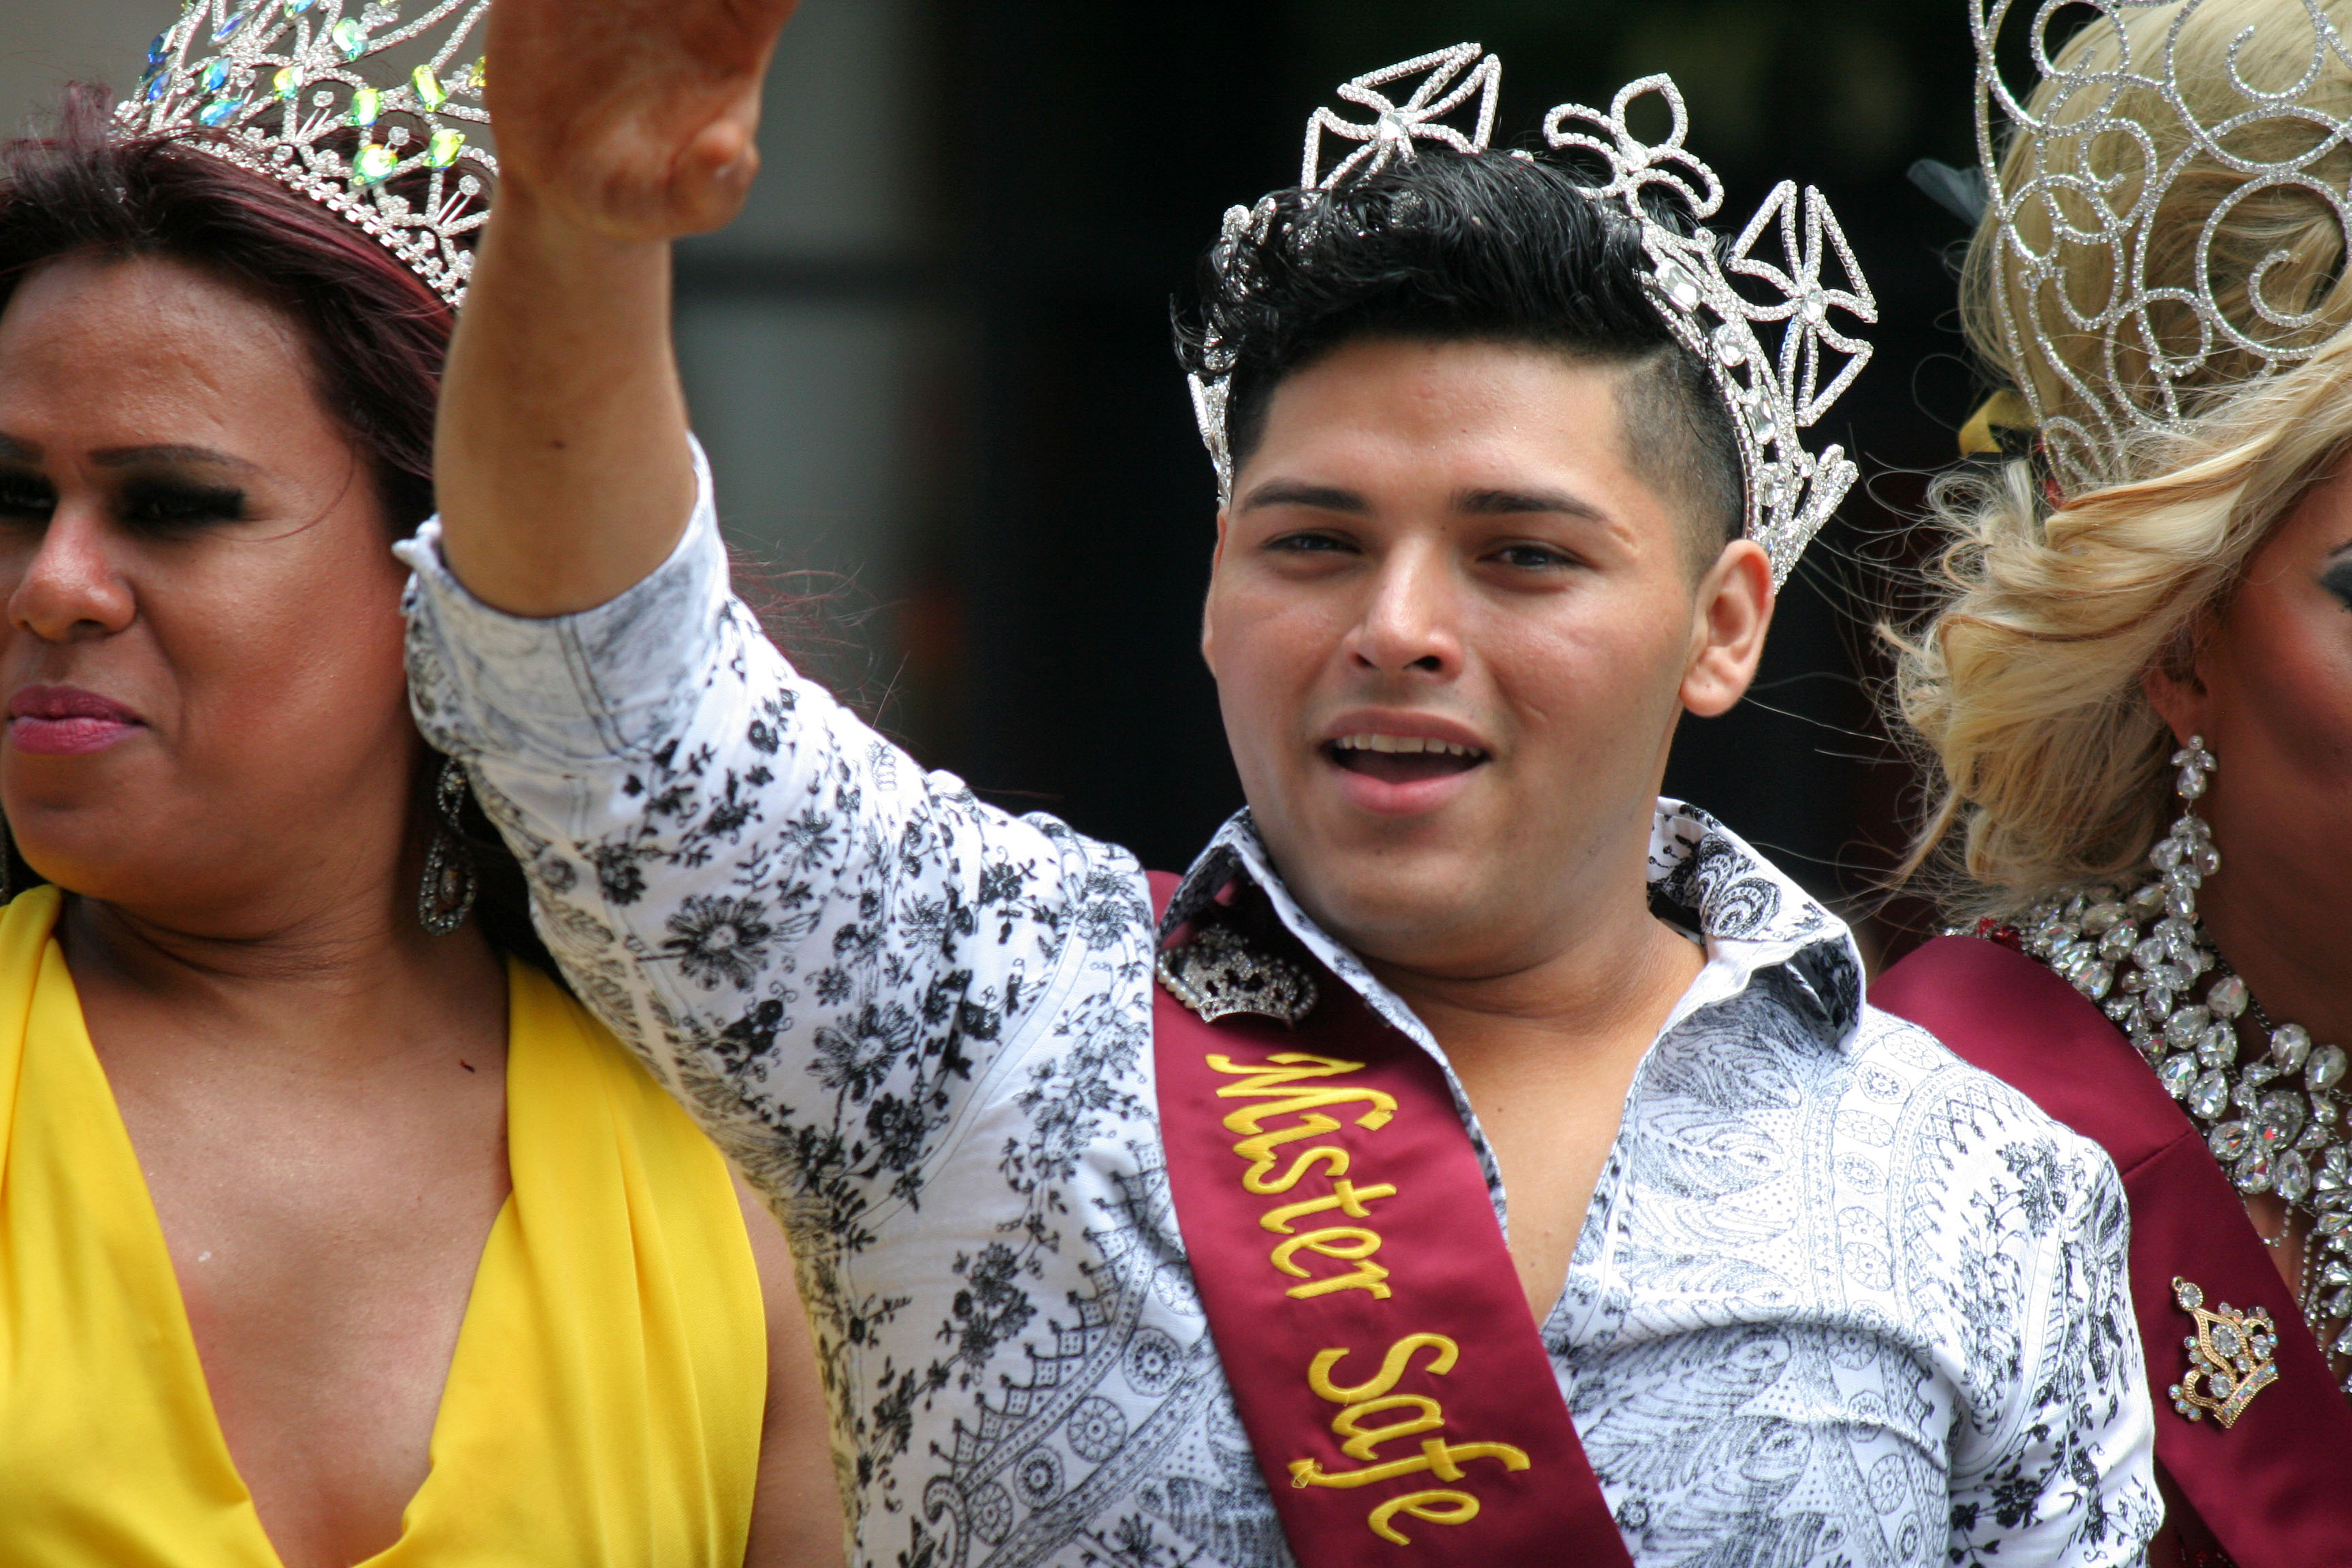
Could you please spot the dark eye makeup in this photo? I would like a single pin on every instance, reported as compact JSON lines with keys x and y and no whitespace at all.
{"x":167,"y":503}
{"x":25,"y":498}
{"x":144,"y":501}
{"x":2338,"y":577}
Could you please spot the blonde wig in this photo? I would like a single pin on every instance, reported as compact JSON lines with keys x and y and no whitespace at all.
{"x":2046,"y":761}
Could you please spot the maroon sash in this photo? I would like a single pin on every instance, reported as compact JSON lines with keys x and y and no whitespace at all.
{"x":2275,"y":1489}
{"x":1369,"y":1317}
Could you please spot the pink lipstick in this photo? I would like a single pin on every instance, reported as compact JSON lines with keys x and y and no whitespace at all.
{"x":63,"y":721}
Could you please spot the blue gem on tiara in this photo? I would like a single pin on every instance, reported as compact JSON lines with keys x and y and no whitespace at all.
{"x":290,"y":52}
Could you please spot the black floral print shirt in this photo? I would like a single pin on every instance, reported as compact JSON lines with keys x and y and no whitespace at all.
{"x":1838,"y":1299}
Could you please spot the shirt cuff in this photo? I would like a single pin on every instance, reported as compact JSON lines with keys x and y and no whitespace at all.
{"x":606,"y":682}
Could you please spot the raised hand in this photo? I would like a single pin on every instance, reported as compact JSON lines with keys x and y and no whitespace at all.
{"x":632,"y":119}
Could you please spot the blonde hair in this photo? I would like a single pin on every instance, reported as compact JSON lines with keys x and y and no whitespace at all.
{"x":2049,"y":763}
{"x":2046,"y":761}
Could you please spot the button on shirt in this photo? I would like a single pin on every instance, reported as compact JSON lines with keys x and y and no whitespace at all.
{"x":1838,"y":1299}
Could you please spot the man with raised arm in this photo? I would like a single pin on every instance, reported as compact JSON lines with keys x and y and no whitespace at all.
{"x":1158,"y":1221}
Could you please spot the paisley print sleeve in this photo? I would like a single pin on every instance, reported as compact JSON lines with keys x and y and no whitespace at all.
{"x":2052,"y":1447}
{"x":819,"y":947}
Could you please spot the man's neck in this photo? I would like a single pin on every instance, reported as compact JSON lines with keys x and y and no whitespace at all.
{"x":1546,"y":1053}
{"x":1617,"y":984}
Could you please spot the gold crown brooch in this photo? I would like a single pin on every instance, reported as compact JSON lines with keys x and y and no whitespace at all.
{"x":2229,"y":1354}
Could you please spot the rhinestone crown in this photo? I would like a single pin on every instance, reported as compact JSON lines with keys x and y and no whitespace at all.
{"x":269,"y":84}
{"x":1773,"y":392}
{"x":2081,"y":227}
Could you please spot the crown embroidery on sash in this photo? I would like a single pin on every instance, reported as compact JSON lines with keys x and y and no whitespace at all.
{"x":1220,"y":973}
{"x":2229,"y":1354}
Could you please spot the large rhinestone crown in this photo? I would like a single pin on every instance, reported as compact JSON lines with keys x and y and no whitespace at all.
{"x":1720,"y":303}
{"x":343,"y":101}
{"x":2124,"y":299}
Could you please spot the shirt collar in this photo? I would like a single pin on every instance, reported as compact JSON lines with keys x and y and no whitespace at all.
{"x":1758,"y":926}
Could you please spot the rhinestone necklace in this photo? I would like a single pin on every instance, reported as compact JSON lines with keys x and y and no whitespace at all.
{"x":2274,"y":1122}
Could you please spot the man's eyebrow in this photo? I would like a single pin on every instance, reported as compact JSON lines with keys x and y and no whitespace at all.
{"x":1321,"y":497}
{"x":1516,"y":503}
{"x":15,"y":452}
{"x":130,"y":456}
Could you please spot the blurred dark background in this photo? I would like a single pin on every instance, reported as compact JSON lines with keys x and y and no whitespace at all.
{"x":931,"y":363}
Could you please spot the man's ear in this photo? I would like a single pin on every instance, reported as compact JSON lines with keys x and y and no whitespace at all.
{"x":1208,"y":630}
{"x":1729,"y":615}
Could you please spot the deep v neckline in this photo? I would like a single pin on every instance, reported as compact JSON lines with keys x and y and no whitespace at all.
{"x":143,"y":1246}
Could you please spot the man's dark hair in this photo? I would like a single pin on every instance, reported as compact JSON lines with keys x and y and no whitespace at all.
{"x":1447,"y":247}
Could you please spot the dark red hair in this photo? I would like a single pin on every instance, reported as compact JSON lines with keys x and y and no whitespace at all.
{"x":377,"y":335}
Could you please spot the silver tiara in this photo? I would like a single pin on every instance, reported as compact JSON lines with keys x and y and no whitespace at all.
{"x":268,"y":82}
{"x":1772,"y":394}
{"x":2101,"y":223}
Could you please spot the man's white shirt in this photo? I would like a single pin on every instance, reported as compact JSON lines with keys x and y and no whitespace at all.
{"x":1839,"y":1299}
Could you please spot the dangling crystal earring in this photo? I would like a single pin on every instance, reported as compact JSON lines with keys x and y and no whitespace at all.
{"x":2186,"y":856}
{"x":447,"y":894}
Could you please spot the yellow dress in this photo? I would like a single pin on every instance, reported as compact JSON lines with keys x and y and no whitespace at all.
{"x":604,"y":1404}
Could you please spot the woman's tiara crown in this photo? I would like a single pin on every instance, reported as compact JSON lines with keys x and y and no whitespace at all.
{"x":341,"y":101}
{"x":2113,"y":306}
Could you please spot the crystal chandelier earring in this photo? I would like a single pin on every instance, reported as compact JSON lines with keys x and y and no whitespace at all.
{"x":447,"y":895}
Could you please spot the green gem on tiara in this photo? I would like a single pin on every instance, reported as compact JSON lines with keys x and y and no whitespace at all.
{"x":366,"y":104}
{"x":286,"y":83}
{"x":216,"y":74}
{"x":349,"y":37}
{"x":429,"y":91}
{"x":296,"y":7}
{"x":219,"y":112}
{"x":375,"y":160}
{"x":442,"y":150}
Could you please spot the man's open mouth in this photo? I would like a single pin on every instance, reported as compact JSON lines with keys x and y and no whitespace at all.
{"x":1402,"y":759}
